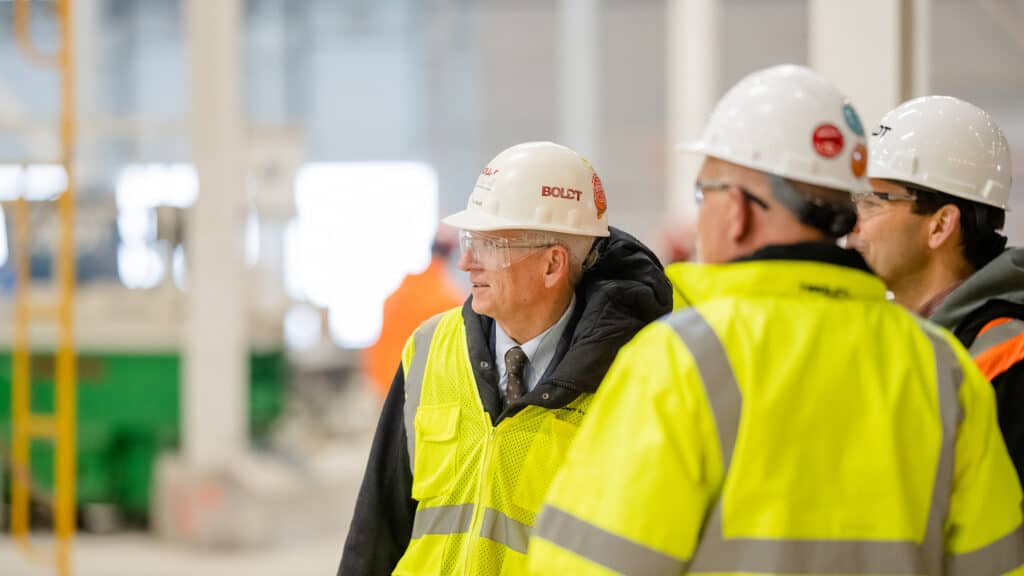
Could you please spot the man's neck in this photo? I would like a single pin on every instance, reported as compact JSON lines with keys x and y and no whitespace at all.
{"x":919,"y":292}
{"x":528,"y":323}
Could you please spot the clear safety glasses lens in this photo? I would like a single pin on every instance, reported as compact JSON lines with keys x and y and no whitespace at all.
{"x":492,"y":252}
{"x":871,"y":202}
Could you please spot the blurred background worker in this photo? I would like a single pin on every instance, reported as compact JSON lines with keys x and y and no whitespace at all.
{"x":940,"y":172}
{"x":790,"y":420}
{"x":416,"y":299}
{"x":489,"y":395}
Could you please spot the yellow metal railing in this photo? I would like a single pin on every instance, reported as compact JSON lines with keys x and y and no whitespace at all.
{"x":57,"y":427}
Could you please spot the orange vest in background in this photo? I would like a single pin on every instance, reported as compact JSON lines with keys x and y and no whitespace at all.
{"x":419,"y":297}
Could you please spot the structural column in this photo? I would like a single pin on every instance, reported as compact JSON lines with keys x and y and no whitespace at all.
{"x":694,"y":78}
{"x":215,"y":393}
{"x":876,"y":70}
{"x":580,"y":52}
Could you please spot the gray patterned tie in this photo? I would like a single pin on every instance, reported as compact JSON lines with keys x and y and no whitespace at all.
{"x":515,"y":366}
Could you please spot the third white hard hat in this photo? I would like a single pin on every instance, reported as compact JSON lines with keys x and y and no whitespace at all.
{"x":789,"y":121}
{"x":945,"y":144}
{"x":536,"y":186}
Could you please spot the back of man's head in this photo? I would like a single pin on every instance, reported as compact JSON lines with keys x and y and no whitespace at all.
{"x":807,"y":142}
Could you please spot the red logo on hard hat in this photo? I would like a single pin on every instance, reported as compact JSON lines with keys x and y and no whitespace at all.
{"x":859,"y":160}
{"x":599,"y":200}
{"x":828,"y":140}
{"x":560,"y":192}
{"x":488,"y":171}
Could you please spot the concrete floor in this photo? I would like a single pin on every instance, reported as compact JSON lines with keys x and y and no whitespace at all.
{"x":138,"y":554}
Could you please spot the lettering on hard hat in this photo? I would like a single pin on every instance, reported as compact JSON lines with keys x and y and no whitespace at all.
{"x":488,"y":171}
{"x":882,"y":131}
{"x":560,"y":192}
{"x":828,"y":140}
{"x":859,"y":160}
{"x":600,"y":202}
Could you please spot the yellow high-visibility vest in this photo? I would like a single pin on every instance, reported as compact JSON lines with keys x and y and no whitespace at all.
{"x":788,"y":421}
{"x":479,"y":486}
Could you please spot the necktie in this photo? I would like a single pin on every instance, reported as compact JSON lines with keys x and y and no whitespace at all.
{"x":515,"y":366}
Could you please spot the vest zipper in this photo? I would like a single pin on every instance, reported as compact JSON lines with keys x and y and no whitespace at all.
{"x":478,"y":509}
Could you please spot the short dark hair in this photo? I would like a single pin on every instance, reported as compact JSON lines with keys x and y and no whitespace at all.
{"x":979,"y":223}
{"x":830,"y":210}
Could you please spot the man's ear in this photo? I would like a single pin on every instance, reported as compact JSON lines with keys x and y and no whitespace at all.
{"x":943,"y":226}
{"x":557,"y":266}
{"x":738,"y":216}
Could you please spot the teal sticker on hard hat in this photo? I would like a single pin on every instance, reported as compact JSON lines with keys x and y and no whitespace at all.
{"x":852,"y":120}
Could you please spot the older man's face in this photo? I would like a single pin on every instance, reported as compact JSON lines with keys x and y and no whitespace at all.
{"x":502,"y":292}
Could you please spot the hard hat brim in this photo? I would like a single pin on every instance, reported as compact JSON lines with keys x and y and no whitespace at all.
{"x":478,"y":221}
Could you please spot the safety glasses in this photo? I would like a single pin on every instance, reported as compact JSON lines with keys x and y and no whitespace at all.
{"x":493,"y":252}
{"x":700,"y":187}
{"x":869,"y":203}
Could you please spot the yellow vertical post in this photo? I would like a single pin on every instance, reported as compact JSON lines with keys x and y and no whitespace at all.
{"x":61,"y":425}
{"x":65,"y":384}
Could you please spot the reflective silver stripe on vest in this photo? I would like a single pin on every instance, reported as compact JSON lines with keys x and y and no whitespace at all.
{"x":997,"y":558}
{"x":602,"y":547}
{"x":949,"y":375}
{"x":504,"y":530}
{"x":995,"y":336}
{"x":414,"y":381}
{"x":716,"y":373}
{"x":443,"y":520}
{"x":715,"y":553}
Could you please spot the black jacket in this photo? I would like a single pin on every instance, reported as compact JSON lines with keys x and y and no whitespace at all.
{"x":622,"y":292}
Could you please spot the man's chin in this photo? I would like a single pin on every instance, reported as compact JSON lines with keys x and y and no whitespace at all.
{"x":480,"y":307}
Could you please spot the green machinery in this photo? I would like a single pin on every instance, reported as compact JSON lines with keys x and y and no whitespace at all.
{"x":128,"y":413}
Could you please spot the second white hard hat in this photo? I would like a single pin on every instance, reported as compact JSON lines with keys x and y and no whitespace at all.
{"x":536,"y":186}
{"x":789,"y":121}
{"x":945,"y":144}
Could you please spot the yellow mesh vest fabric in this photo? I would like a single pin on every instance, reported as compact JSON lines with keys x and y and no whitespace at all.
{"x":460,"y":458}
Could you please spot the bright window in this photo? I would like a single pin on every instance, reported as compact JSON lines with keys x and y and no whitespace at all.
{"x":360,"y":228}
{"x":141,"y":188}
{"x":36,"y":182}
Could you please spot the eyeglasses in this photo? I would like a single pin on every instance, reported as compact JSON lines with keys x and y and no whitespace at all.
{"x":872,"y":202}
{"x":493,"y":252}
{"x":701,"y":187}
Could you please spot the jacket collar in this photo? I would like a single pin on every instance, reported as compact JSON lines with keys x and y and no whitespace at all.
{"x":793,"y":270}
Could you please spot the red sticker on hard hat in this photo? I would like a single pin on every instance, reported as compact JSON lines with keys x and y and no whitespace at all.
{"x":859,"y":160}
{"x":828,"y":140}
{"x":599,"y":200}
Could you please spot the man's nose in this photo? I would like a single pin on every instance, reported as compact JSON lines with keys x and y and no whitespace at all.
{"x":466,"y":261}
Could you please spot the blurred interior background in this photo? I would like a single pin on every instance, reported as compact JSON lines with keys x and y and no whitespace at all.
{"x":252,"y":179}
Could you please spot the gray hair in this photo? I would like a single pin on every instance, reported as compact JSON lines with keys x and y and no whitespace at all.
{"x":580,"y":248}
{"x":581,"y":253}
